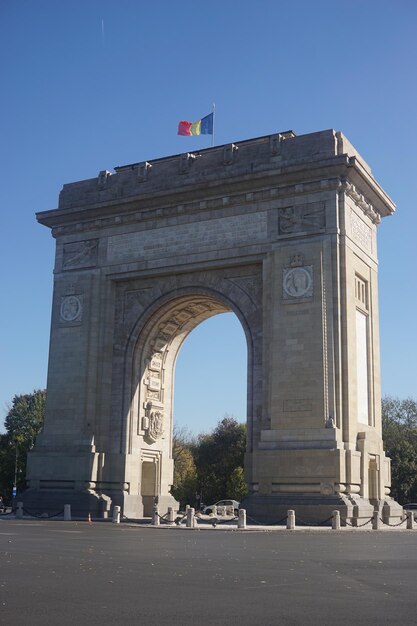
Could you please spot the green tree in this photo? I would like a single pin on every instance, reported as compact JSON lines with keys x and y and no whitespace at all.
{"x":219,"y":459}
{"x":23,"y":422}
{"x":184,"y":486}
{"x":399,"y":432}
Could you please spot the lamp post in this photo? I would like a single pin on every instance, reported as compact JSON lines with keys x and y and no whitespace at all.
{"x":14,"y":494}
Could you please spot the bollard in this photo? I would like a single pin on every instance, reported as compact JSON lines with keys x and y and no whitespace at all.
{"x":290,"y":520}
{"x":336,"y":520}
{"x":241,"y":523}
{"x":410,"y":520}
{"x":116,"y":515}
{"x":171,"y":515}
{"x":155,"y":516}
{"x":67,"y":512}
{"x":19,"y":510}
{"x":190,"y":517}
{"x":375,"y":521}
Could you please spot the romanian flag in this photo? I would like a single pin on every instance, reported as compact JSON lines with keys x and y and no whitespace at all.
{"x":201,"y":127}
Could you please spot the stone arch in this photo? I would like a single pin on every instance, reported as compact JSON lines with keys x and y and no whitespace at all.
{"x":278,"y":235}
{"x":169,"y":310}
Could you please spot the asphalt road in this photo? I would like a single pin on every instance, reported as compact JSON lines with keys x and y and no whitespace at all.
{"x":55,"y":572}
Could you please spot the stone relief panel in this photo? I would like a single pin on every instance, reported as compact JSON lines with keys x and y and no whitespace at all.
{"x":153,"y":423}
{"x":80,"y":254}
{"x":71,"y":309}
{"x":301,"y":218}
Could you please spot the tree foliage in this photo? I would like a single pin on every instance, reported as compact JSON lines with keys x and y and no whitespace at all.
{"x":210,"y":466}
{"x":399,"y":431}
{"x":185,"y":485}
{"x":23,"y":422}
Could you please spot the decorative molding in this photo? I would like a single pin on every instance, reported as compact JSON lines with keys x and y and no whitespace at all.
{"x":136,"y":215}
{"x":362,"y":202}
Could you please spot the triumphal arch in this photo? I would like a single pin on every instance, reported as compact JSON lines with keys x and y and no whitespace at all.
{"x":281,"y":230}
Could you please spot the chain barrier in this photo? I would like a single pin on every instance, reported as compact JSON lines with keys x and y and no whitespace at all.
{"x":357,"y":525}
{"x":216,"y":522}
{"x":128,"y":519}
{"x":278,"y":523}
{"x":42,"y":515}
{"x":164,"y":519}
{"x":301,"y":522}
{"x":393,"y":525}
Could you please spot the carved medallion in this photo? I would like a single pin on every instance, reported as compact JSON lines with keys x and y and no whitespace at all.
{"x":298,"y":282}
{"x":71,"y":309}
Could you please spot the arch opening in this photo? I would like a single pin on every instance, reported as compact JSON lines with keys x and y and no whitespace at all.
{"x":210,"y":376}
{"x":151,"y":410}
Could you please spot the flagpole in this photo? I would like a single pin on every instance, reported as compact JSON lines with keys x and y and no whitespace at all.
{"x":212,"y":137}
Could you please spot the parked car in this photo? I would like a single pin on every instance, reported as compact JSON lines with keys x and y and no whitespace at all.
{"x":230,"y":504}
{"x":412,"y":506}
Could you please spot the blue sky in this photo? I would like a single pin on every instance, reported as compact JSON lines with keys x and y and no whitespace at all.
{"x":91,"y":84}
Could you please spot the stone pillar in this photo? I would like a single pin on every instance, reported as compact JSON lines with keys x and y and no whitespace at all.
{"x":376,"y":521}
{"x":242,"y":519}
{"x":67,"y":512}
{"x":155,"y":516}
{"x":410,"y":520}
{"x":290,"y":520}
{"x":190,"y":517}
{"x":116,"y":515}
{"x":19,"y":510}
{"x":336,"y":520}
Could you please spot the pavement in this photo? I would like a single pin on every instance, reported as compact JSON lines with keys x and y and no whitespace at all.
{"x":56,"y":572}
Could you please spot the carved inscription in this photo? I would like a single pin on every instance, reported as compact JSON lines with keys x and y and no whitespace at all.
{"x":297,"y":405}
{"x":154,"y":383}
{"x":225,"y":232}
